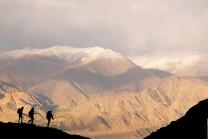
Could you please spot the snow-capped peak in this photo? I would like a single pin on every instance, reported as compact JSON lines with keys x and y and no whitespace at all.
{"x":66,"y":53}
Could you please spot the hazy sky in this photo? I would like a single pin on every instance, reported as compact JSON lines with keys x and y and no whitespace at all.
{"x":131,"y":27}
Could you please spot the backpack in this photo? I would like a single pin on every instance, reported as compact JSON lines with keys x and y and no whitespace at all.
{"x":49,"y":115}
{"x":30,"y":113}
{"x":19,"y":111}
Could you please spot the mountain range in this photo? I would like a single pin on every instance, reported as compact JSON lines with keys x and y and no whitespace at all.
{"x":94,"y":91}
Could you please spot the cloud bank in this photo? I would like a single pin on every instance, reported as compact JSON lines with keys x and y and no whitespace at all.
{"x":132,"y":27}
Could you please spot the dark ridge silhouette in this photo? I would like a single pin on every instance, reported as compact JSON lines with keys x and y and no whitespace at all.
{"x":29,"y":131}
{"x":191,"y":126}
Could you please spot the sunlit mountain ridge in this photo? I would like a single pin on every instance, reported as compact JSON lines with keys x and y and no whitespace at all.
{"x":97,"y":92}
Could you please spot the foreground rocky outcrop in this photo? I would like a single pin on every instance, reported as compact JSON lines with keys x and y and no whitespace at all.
{"x":26,"y":131}
{"x":193,"y":125}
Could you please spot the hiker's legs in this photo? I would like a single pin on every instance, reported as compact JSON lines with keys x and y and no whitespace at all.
{"x":32,"y":119}
{"x":19,"y":119}
{"x":29,"y":121}
{"x":49,"y":120}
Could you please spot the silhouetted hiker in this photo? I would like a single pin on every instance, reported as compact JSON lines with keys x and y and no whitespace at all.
{"x":49,"y":116}
{"x":20,"y":113}
{"x":31,"y":115}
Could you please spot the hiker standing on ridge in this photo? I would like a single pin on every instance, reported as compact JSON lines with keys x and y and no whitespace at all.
{"x":31,"y":115}
{"x":49,"y":116}
{"x":20,"y":114}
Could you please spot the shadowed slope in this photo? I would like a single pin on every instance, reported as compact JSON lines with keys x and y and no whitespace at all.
{"x":193,"y":125}
{"x":26,"y":131}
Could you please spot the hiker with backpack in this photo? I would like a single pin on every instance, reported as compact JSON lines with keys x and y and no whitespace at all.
{"x":20,"y":114}
{"x":49,"y":116}
{"x":31,"y":115}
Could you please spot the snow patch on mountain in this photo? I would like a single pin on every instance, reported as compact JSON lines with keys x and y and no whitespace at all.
{"x":189,"y":64}
{"x":66,"y":53}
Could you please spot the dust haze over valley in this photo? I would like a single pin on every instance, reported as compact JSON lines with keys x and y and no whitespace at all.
{"x":118,"y":69}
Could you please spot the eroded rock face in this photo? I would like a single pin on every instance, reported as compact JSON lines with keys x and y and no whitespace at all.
{"x":136,"y":114}
{"x":13,"y":98}
{"x":133,"y":115}
{"x":192,"y":125}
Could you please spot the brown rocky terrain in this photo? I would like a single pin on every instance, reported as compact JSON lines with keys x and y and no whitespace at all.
{"x":102,"y":95}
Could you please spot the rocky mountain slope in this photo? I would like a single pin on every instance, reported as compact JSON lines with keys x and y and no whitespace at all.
{"x":136,"y":114}
{"x":127,"y":114}
{"x":12,"y":98}
{"x":30,"y":67}
{"x":97,"y":92}
{"x":192,"y":125}
{"x":75,"y":74}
